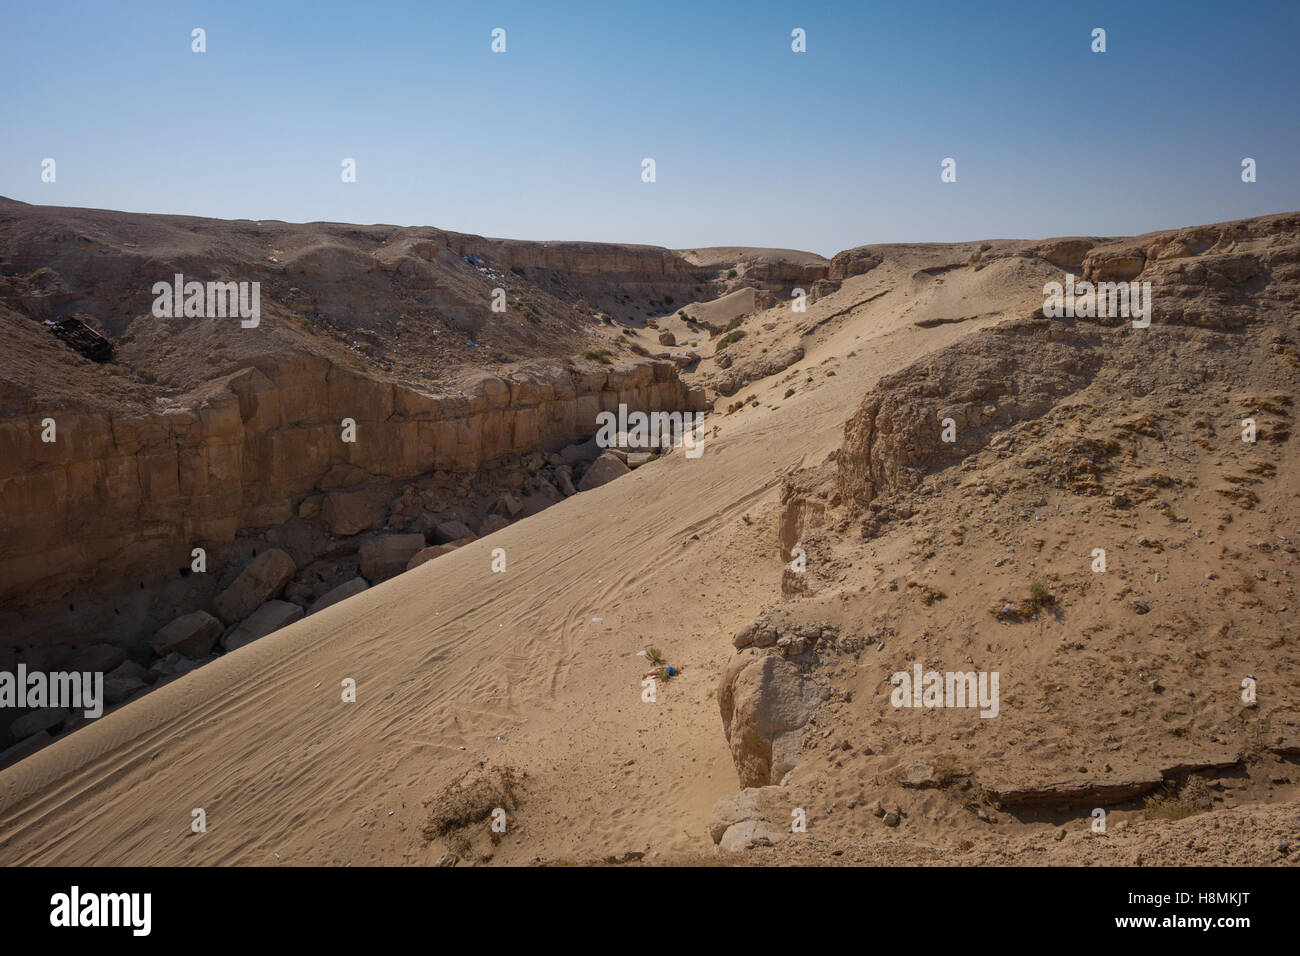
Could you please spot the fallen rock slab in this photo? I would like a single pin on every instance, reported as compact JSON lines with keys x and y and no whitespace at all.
{"x":437,"y":551}
{"x":491,"y":524}
{"x":261,"y":581}
{"x":449,"y":531}
{"x":118,"y":689}
{"x":747,"y":835}
{"x":753,"y":803}
{"x":508,"y":506}
{"x":388,"y":555}
{"x":351,"y":512}
{"x":100,"y":658}
{"x":44,"y":719}
{"x":602,"y":471}
{"x":341,"y":593}
{"x":24,"y":748}
{"x":270,"y":617}
{"x":190,"y":634}
{"x":1077,"y":790}
{"x":128,"y":670}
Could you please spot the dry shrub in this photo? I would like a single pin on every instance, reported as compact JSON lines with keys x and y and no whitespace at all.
{"x":472,"y":799}
{"x":1193,"y":798}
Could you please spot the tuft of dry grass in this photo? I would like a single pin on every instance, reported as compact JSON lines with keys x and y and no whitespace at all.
{"x":1039,"y":596}
{"x":1194,"y":797}
{"x":471,"y":800}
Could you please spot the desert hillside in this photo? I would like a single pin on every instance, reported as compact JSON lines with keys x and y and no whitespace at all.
{"x":909,"y":463}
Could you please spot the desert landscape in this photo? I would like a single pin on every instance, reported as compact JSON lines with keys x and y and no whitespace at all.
{"x":367,"y":586}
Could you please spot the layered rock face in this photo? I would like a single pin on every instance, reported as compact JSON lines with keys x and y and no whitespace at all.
{"x":113,"y":493}
{"x":578,"y":258}
{"x":1220,"y":277}
{"x":970,"y":391}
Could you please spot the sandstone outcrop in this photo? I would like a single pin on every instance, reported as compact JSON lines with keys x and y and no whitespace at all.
{"x":768,"y":690}
{"x":984,"y":383}
{"x":118,"y":492}
{"x":853,"y":262}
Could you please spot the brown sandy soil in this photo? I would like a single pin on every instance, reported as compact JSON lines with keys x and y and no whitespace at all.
{"x":458,"y":668}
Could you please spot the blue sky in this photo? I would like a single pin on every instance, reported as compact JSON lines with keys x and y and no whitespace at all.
{"x":753,"y":144}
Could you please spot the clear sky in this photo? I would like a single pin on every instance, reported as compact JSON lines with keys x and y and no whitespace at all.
{"x":753,"y":144}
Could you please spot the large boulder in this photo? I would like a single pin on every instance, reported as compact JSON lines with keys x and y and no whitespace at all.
{"x":508,"y":506}
{"x":766,"y":804}
{"x":101,"y":658}
{"x":766,"y":700}
{"x":544,"y":495}
{"x":388,"y":555}
{"x":118,"y":689}
{"x":190,"y":634}
{"x":351,"y":512}
{"x":44,"y":718}
{"x":341,"y":593}
{"x":24,"y":748}
{"x":749,"y":834}
{"x":437,"y":551}
{"x":261,"y":581}
{"x":492,"y":523}
{"x":602,"y":471}
{"x":128,"y":670}
{"x":271,"y":616}
{"x":449,"y":531}
{"x":584,"y":452}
